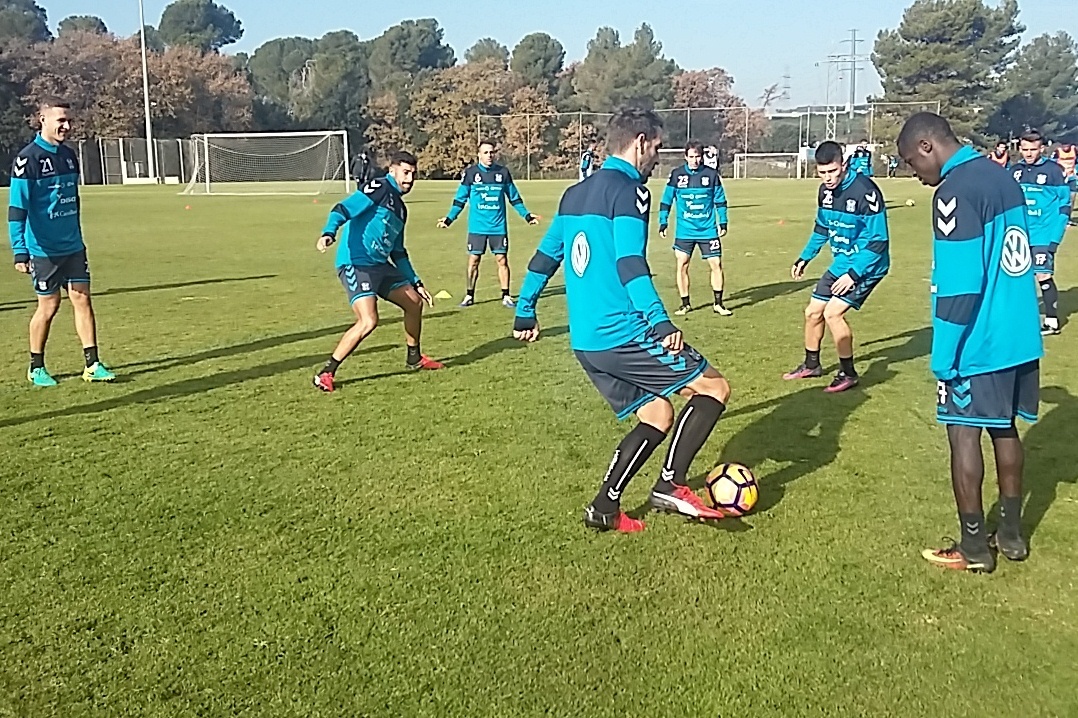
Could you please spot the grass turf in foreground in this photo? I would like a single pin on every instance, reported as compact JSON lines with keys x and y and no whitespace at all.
{"x":211,"y":536}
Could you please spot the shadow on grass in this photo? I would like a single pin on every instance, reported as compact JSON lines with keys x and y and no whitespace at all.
{"x":1068,"y":305}
{"x":149,"y":366}
{"x":175,"y":390}
{"x":499,"y":345}
{"x":1051,"y":459}
{"x":24,"y":303}
{"x":758,"y":295}
{"x":801,"y":431}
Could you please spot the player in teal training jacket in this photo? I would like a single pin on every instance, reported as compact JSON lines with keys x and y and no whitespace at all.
{"x":1048,"y":206}
{"x":46,"y":238}
{"x":486,"y":188}
{"x":851,"y":219}
{"x":986,"y":340}
{"x":373,"y":264}
{"x":618,"y":328}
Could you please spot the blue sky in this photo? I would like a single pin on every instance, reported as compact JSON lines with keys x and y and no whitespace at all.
{"x":757,"y":41}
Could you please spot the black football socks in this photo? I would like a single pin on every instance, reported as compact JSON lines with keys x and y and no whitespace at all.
{"x":629,"y":457}
{"x":691,"y":429}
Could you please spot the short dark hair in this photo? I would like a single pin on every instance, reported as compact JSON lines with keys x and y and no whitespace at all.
{"x":694,"y":145}
{"x":864,"y":141}
{"x":1032,"y":136}
{"x":630,"y":122}
{"x":488,"y":141}
{"x":403,"y":157}
{"x":925,"y":125}
{"x":828,"y":153}
{"x":1002,"y":142}
{"x":52,"y":101}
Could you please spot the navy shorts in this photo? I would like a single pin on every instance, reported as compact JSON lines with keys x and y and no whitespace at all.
{"x":709,"y":248}
{"x":362,"y":282}
{"x":855,"y":297}
{"x":1044,"y":259}
{"x":992,"y":400}
{"x":636,"y":373}
{"x":478,"y":243}
{"x":49,"y":274}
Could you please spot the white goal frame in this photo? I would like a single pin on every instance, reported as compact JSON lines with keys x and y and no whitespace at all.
{"x":201,"y":179}
{"x":741,"y":163}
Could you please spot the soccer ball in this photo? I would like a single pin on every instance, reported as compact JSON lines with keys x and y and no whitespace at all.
{"x":910,"y":203}
{"x":732,"y":488}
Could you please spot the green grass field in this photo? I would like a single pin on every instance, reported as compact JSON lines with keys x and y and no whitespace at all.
{"x":210,"y":536}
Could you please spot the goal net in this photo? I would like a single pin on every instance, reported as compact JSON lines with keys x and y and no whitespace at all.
{"x":773,"y":165}
{"x":269,"y":163}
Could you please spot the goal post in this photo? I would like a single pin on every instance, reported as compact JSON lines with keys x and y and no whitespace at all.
{"x":270,"y":163}
{"x":769,"y":165}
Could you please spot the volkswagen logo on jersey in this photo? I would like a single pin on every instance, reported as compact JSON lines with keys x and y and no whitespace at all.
{"x":580,"y":254}
{"x":1016,"y":259}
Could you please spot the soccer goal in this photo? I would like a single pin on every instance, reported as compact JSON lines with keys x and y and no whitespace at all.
{"x":269,"y":163}
{"x":770,"y":165}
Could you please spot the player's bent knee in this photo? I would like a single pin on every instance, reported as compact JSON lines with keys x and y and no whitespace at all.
{"x":813,"y":314}
{"x":710,"y":383}
{"x":835,"y":313}
{"x":366,"y":325}
{"x":658,"y":412}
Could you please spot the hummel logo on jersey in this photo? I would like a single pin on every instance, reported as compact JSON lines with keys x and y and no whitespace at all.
{"x":46,"y":166}
{"x":643,"y":200}
{"x":70,"y":163}
{"x":873,"y":201}
{"x":20,"y":166}
{"x":371,"y":186}
{"x":946,"y":209}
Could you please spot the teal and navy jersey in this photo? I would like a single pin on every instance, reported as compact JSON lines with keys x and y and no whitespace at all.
{"x":853,"y":220}
{"x":985,"y":315}
{"x":371,"y":222}
{"x":861,"y":161}
{"x":602,"y":226}
{"x":43,"y":203}
{"x":484,"y":190}
{"x":700,"y":200}
{"x":1048,"y":201}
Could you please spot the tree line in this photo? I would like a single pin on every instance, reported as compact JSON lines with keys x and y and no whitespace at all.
{"x":406,"y":87}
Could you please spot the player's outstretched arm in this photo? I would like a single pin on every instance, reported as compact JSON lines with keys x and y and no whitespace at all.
{"x":667,"y":201}
{"x":721,"y":206}
{"x":816,"y":241}
{"x":957,"y":277}
{"x":874,"y":239}
{"x":513,"y":195}
{"x":460,"y":201}
{"x":631,"y":215}
{"x":1063,"y":202}
{"x":18,"y":215}
{"x":543,"y":265}
{"x":345,"y":211}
